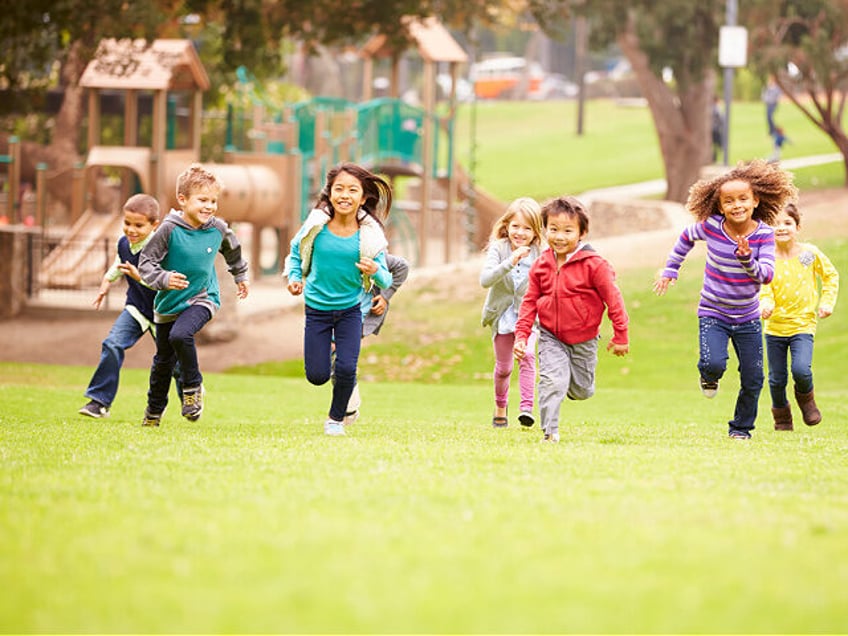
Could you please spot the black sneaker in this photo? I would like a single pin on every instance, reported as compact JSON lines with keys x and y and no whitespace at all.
{"x":94,"y":409}
{"x":151,"y":419}
{"x":737,"y":434}
{"x":709,"y":389}
{"x":192,"y":403}
{"x":525,"y":418}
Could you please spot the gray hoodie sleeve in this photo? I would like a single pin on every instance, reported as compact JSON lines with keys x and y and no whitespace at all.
{"x":151,"y":257}
{"x":231,"y":249}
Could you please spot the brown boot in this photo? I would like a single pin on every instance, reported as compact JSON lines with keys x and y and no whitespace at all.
{"x":809,"y":410}
{"x":782,"y":418}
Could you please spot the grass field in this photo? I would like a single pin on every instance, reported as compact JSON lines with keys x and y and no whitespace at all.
{"x":619,"y":145}
{"x":424,"y":519}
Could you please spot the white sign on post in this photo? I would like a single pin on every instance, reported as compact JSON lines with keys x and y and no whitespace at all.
{"x":732,"y":47}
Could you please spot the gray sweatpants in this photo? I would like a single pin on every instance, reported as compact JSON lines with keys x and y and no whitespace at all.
{"x":564,"y":370}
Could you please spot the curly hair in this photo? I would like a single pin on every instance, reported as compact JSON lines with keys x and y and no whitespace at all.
{"x":773,"y":187}
{"x":531,"y":211}
{"x":376,"y":191}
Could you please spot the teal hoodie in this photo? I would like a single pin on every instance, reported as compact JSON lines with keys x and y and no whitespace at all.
{"x":178,"y":247}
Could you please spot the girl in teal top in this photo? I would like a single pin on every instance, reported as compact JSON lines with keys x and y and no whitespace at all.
{"x":339,"y":251}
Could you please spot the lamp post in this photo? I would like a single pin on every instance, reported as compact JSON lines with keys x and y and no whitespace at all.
{"x":732,"y":54}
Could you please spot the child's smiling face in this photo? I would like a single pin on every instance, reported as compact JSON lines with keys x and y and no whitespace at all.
{"x":737,"y":203}
{"x":563,"y":233}
{"x":199,"y":206}
{"x":519,"y":231}
{"x":137,"y":226}
{"x":785,"y":228}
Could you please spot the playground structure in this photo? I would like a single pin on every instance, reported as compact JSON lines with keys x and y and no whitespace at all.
{"x":271,"y":181}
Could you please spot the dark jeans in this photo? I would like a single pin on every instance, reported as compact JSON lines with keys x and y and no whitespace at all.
{"x":175,"y":343}
{"x":800,"y":346}
{"x":124,"y":334}
{"x":747,"y":340}
{"x":322,"y":328}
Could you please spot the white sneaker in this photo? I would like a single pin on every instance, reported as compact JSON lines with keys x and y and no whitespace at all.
{"x":333,"y":428}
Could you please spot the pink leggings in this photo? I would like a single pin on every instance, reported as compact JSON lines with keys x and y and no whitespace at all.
{"x":503,"y":343}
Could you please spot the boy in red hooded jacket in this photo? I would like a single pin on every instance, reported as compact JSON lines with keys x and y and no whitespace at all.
{"x":570,"y":285}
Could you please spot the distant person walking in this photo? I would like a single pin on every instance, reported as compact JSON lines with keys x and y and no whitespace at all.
{"x":771,"y":98}
{"x":732,"y":211}
{"x":514,"y":245}
{"x":779,"y":138}
{"x":717,"y":128}
{"x":804,"y":289}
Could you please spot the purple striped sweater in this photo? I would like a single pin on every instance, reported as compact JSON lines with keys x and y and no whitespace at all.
{"x":731,"y":283}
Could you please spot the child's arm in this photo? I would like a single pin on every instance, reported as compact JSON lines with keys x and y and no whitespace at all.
{"x":236,"y":265}
{"x":101,"y":292}
{"x":399,"y":269}
{"x":150,"y":270}
{"x":766,"y":301}
{"x":526,"y":315}
{"x":292,"y":268}
{"x":495,"y":270}
{"x":604,"y":282}
{"x":685,"y":243}
{"x":377,"y":269}
{"x":829,"y":283}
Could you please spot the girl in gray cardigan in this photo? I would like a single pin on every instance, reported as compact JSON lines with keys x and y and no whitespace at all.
{"x":516,"y":242}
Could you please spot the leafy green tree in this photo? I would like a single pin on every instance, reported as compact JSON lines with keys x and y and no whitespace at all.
{"x":803,"y":44}
{"x":679,"y":35}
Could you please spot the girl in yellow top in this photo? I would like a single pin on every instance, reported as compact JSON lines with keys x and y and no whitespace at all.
{"x":791,"y":306}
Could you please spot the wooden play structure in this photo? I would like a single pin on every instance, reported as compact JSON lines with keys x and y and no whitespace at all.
{"x":271,"y":181}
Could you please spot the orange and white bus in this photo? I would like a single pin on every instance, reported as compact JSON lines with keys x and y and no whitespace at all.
{"x":497,"y":77}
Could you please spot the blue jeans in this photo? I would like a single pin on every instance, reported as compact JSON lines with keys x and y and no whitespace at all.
{"x":747,"y":340}
{"x":124,"y":334}
{"x":175,"y":343}
{"x":322,"y":328}
{"x":801,"y":347}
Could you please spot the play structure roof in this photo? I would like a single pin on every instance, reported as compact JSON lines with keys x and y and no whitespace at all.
{"x":138,"y":64}
{"x":432,"y":39}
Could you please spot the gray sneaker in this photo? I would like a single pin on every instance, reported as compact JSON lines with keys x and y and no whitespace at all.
{"x":334,"y":428}
{"x":192,"y":403}
{"x":94,"y":409}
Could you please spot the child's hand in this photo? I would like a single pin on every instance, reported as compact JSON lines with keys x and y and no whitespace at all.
{"x":519,"y":349}
{"x":766,"y":312}
{"x":177,"y":281}
{"x":128,"y":269}
{"x":99,"y":300}
{"x":518,"y":254}
{"x":379,"y":305}
{"x":367,"y":266}
{"x":618,"y":349}
{"x":824,"y":312}
{"x":662,"y":284}
{"x":295,"y":287}
{"x":243,"y":289}
{"x":742,"y":247}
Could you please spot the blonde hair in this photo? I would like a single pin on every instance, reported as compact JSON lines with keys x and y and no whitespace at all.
{"x":196,"y":177}
{"x":532,"y":212}
{"x":770,"y":184}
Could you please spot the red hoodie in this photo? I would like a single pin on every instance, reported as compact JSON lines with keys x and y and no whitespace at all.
{"x":570,"y":300}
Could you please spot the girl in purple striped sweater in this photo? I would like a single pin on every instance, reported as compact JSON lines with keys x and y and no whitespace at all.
{"x":733,"y":213}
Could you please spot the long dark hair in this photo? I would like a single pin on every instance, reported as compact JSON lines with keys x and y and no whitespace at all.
{"x":376,"y":191}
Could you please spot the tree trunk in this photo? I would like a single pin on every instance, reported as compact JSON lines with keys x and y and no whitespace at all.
{"x":682,"y":119}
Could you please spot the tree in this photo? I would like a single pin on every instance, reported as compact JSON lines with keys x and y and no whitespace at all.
{"x":804,"y":46}
{"x":679,"y":35}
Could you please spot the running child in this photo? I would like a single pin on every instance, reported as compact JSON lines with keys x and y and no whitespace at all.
{"x":570,"y":285}
{"x":179,"y":262}
{"x":339,"y":250}
{"x":514,"y":245}
{"x":141,"y":217}
{"x":791,"y":306}
{"x":733,"y":212}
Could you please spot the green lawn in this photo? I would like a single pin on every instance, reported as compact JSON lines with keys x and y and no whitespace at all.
{"x":646,"y":518}
{"x":619,"y":145}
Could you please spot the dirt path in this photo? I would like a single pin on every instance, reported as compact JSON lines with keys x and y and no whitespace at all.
{"x":277,"y":334}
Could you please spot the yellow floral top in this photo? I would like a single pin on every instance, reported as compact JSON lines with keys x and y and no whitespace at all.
{"x":801,"y":285}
